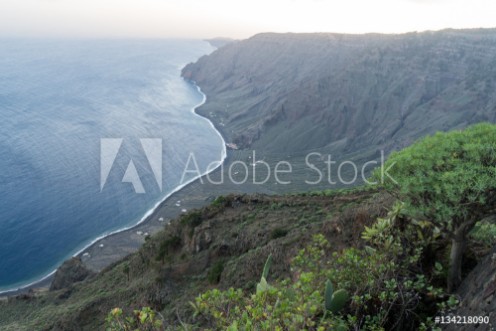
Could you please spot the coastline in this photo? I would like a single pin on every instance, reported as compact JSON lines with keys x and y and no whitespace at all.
{"x":43,"y":283}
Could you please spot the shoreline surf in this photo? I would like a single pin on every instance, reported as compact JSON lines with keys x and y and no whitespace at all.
{"x":148,"y":214}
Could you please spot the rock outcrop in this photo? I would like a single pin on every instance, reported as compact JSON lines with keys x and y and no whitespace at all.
{"x":477,"y":294}
{"x":70,"y":272}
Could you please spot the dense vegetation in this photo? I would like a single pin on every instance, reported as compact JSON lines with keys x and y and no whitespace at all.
{"x":388,"y":284}
{"x":448,"y":179}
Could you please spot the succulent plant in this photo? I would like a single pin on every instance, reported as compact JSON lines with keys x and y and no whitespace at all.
{"x":263,"y":286}
{"x":267,"y":266}
{"x":335,"y":301}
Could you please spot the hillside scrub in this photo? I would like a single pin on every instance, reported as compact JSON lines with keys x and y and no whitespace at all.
{"x":391,"y":286}
{"x":388,"y":284}
{"x":222,"y":245}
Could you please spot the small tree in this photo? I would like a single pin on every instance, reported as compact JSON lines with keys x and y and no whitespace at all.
{"x":167,"y":246}
{"x":448,"y":179}
{"x":126,"y":270}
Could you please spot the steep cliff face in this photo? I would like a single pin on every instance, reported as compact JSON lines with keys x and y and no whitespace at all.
{"x":291,"y":93}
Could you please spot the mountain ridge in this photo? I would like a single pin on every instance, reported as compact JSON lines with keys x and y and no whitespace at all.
{"x":298,"y":92}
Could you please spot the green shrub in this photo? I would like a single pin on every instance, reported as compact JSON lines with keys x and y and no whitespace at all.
{"x":384,"y":286}
{"x":484,"y":233}
{"x":167,"y":246}
{"x":448,"y":179}
{"x":220,"y":201}
{"x":141,"y":320}
{"x":215,"y":272}
{"x":282,"y":306}
{"x":192,"y":219}
{"x":278,"y":233}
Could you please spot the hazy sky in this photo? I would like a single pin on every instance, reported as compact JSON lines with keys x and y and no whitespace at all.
{"x":235,"y":18}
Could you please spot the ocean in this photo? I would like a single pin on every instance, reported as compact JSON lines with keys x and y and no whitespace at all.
{"x":61,"y":103}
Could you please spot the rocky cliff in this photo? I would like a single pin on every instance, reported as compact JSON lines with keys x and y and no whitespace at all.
{"x":477,"y":295}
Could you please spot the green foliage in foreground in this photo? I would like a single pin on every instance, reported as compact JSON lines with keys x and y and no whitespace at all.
{"x":334,"y":301}
{"x":484,"y":233}
{"x":387,"y":286}
{"x":448,"y":179}
{"x":144,"y":319}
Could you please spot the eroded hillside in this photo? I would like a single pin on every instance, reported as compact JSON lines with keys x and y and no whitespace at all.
{"x":345,"y":94}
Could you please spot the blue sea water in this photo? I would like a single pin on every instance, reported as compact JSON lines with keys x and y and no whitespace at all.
{"x":58,"y":99}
